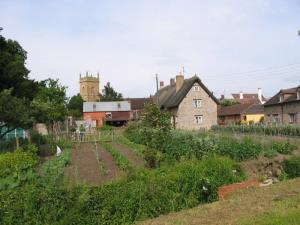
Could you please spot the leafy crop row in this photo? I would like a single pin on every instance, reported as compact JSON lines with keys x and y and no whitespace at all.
{"x":178,"y":144}
{"x":287,"y":130}
{"x":53,"y":170}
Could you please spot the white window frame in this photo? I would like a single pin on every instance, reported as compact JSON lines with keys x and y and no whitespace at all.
{"x":197,"y":103}
{"x":298,"y":95}
{"x":198,"y":119}
{"x":196,"y":88}
{"x":275,"y":118}
{"x":281,"y":98}
{"x":292,"y":117}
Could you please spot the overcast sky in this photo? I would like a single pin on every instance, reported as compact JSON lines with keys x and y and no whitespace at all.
{"x":231,"y":45}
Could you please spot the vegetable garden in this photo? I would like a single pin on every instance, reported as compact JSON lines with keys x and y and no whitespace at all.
{"x":179,"y":170}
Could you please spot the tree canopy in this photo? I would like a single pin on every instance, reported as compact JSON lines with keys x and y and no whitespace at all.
{"x":16,"y":89}
{"x":50,"y":102}
{"x":75,"y":106}
{"x":13,"y":72}
{"x":109,"y":94}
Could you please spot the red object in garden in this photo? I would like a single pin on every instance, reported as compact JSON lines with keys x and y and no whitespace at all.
{"x":225,"y":190}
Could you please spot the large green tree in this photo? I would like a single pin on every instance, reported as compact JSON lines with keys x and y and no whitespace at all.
{"x":75,"y":106}
{"x":14,"y":112}
{"x":16,"y":89}
{"x":109,"y":94}
{"x":50,"y":102}
{"x":13,"y":72}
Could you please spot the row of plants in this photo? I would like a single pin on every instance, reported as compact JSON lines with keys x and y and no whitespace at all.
{"x":177,"y":144}
{"x":53,"y":170}
{"x":286,"y":130}
{"x":18,"y":168}
{"x":142,"y":194}
{"x":120,"y":159}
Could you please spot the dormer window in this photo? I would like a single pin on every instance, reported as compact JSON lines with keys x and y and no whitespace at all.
{"x":281,"y":98}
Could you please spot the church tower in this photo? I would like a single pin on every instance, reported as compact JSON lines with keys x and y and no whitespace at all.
{"x":89,"y":88}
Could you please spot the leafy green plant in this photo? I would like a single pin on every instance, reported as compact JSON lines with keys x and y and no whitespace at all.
{"x":291,"y":167}
{"x":17,"y":168}
{"x":143,"y":194}
{"x":53,"y":169}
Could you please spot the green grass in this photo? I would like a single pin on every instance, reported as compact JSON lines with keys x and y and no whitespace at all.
{"x":120,"y":159}
{"x":286,"y":212}
{"x":136,"y":148}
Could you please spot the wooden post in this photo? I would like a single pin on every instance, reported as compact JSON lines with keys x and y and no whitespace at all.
{"x":17,"y":142}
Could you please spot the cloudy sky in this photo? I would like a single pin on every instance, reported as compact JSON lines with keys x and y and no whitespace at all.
{"x":233,"y":45}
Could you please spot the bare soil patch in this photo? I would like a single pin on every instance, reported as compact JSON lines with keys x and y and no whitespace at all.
{"x":109,"y":167}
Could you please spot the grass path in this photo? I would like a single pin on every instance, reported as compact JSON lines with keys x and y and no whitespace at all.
{"x":242,"y":207}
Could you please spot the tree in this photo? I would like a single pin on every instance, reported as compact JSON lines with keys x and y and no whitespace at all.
{"x":109,"y":94}
{"x":75,"y":106}
{"x":16,"y":89}
{"x":228,"y":102}
{"x":50,"y":102}
{"x":14,"y":112}
{"x":13,"y":72}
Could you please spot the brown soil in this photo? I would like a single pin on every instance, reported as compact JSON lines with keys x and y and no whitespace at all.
{"x":131,"y":156}
{"x":90,"y":165}
{"x":109,"y":169}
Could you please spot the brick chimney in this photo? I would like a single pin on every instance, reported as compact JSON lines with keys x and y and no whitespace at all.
{"x":161,"y":84}
{"x":259,"y":93}
{"x":172,"y":81}
{"x":241,"y":95}
{"x":179,"y":81}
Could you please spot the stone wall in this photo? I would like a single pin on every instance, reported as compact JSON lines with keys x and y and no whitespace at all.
{"x":283,"y":110}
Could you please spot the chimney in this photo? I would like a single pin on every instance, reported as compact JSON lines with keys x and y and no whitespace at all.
{"x":241,"y":95}
{"x":172,"y":81}
{"x":222,"y":97}
{"x":179,"y":81}
{"x":260,"y":95}
{"x":161,"y":84}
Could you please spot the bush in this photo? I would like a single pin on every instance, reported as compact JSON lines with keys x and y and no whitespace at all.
{"x":143,"y":194}
{"x":292,"y":167}
{"x":17,"y":168}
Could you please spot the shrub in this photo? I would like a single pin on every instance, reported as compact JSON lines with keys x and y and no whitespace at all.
{"x":144,"y":194}
{"x":17,"y":168}
{"x":292,"y":167}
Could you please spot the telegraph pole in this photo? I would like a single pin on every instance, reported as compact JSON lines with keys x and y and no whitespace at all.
{"x":156,"y":76}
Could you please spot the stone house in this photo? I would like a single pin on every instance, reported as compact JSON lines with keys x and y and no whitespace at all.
{"x":284,"y":107}
{"x":191,"y":105}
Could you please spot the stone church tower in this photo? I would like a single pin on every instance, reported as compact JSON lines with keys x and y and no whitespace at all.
{"x":89,"y":88}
